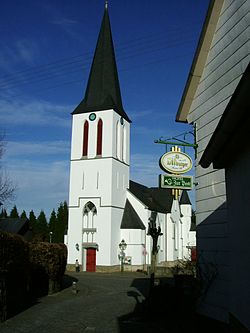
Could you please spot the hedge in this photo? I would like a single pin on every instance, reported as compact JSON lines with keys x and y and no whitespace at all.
{"x":14,"y":273}
{"x":48,"y":264}
{"x":27,"y":271}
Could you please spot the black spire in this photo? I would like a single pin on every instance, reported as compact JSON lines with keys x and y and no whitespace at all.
{"x":103,"y":90}
{"x":184,"y":200}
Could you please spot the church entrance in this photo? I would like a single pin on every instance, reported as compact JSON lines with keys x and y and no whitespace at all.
{"x":91,"y":260}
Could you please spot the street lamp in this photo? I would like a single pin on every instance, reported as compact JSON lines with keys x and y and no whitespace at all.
{"x":50,"y":236}
{"x":121,"y":256}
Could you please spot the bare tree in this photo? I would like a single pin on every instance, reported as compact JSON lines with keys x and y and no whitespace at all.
{"x":2,"y":145}
{"x":7,"y":188}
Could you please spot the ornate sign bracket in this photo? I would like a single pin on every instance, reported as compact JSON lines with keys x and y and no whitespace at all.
{"x":174,"y":141}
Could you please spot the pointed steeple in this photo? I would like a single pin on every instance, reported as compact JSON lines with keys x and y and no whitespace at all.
{"x":184,"y":200}
{"x":103,"y":89}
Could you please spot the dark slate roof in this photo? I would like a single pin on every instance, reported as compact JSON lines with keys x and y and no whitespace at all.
{"x":154,"y":198}
{"x":184,"y":199}
{"x":234,"y":124}
{"x":18,"y":226}
{"x":193,"y":224}
{"x":130,"y":219}
{"x":12,"y":225}
{"x":103,"y":89}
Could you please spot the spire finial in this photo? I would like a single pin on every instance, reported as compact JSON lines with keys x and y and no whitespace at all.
{"x":106,"y":4}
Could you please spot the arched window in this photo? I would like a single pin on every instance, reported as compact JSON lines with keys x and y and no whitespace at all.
{"x":99,"y":138}
{"x":89,"y":230}
{"x":89,"y":207}
{"x":118,"y":139}
{"x":85,"y":138}
{"x":124,"y":144}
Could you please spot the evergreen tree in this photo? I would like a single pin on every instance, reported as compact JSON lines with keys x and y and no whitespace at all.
{"x":3,"y":213}
{"x":33,"y":221}
{"x":23,"y":215}
{"x":65,"y":218}
{"x":42,"y":228}
{"x":62,"y":222}
{"x":52,"y":226}
{"x":32,"y":218}
{"x":14,"y":213}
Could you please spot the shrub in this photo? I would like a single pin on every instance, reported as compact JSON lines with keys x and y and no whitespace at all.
{"x":48,"y":264}
{"x":14,"y":273}
{"x":28,"y":269}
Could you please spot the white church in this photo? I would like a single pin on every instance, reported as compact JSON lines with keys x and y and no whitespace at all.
{"x":105,"y":206}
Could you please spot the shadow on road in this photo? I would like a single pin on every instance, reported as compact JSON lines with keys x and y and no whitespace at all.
{"x":19,"y":301}
{"x":67,"y":281}
{"x":167,"y":307}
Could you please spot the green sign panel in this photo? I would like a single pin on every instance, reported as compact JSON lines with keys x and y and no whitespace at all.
{"x":178,"y":182}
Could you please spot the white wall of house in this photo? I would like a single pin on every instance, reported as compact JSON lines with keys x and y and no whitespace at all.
{"x":168,"y":248}
{"x":162,"y":220}
{"x":227,"y":59}
{"x":141,"y":254}
{"x":189,"y":237}
{"x":135,"y":240}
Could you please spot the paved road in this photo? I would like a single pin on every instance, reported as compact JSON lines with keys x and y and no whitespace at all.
{"x":107,"y":303}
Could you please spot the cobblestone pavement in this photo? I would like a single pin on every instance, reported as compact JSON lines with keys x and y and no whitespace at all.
{"x":104,"y":303}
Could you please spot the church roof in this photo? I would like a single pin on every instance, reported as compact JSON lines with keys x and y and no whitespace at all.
{"x":193,"y":224}
{"x":154,"y":198}
{"x":103,"y":89}
{"x":130,"y":219}
{"x":184,"y":199}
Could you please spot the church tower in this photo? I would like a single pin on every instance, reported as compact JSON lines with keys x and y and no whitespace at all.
{"x":99,"y":166}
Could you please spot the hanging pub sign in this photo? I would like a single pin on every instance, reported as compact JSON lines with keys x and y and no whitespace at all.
{"x":176,"y":182}
{"x":175,"y":162}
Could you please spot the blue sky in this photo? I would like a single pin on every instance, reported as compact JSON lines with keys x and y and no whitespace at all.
{"x":46,"y":49}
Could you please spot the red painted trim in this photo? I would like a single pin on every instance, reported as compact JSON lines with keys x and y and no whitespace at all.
{"x":85,"y":138}
{"x":99,"y":138}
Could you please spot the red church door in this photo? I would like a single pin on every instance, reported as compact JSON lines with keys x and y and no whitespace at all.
{"x":91,"y":260}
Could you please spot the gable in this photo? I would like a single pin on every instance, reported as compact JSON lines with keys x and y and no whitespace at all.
{"x":13,"y":226}
{"x":18,"y":226}
{"x":130,"y":219}
{"x":199,"y":60}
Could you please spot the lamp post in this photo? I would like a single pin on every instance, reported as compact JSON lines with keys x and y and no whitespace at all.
{"x":122,"y":247}
{"x":50,"y":236}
